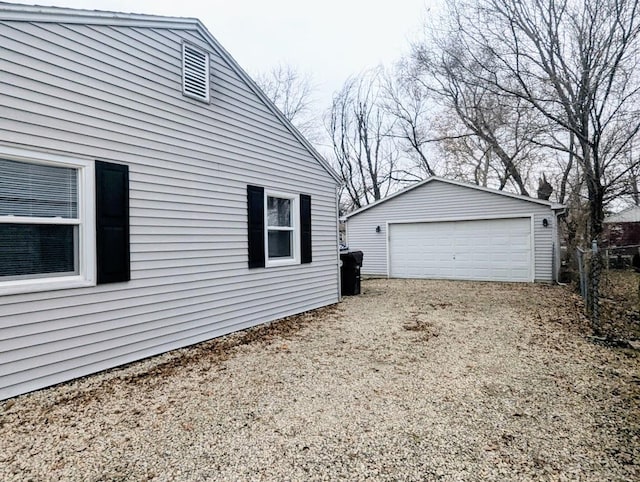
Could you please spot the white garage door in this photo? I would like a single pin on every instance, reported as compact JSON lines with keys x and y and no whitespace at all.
{"x":491,"y":250}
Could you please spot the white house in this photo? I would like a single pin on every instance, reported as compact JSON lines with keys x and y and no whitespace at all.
{"x":444,"y":229}
{"x":151,"y":196}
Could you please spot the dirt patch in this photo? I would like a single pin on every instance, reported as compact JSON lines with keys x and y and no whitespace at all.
{"x":412,"y":380}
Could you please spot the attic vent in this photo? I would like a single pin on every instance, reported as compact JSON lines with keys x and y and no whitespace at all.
{"x":195,"y":73}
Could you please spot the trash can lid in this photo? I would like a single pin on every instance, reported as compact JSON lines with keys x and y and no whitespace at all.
{"x":352,"y":257}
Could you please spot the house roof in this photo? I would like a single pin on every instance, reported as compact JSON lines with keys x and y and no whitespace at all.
{"x":554,"y":206}
{"x":30,"y":13}
{"x":629,"y":215}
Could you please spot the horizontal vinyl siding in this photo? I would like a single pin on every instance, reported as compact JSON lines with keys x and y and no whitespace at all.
{"x":438,"y":200}
{"x":114,"y":94}
{"x":116,"y":119}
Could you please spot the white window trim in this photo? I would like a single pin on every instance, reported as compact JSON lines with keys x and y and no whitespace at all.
{"x":86,"y":225}
{"x":295,"y":229}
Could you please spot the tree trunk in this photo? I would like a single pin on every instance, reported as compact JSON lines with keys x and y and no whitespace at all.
{"x":596,"y":192}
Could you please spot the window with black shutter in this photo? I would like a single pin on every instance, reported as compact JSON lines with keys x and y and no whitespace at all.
{"x":279,"y":228}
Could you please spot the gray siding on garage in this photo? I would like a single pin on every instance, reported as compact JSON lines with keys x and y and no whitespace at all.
{"x":438,"y":200}
{"x":114,"y":93}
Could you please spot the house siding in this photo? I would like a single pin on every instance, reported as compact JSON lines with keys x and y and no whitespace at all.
{"x":114,"y":93}
{"x":438,"y":200}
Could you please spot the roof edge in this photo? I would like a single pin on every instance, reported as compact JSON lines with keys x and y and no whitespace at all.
{"x":269,"y":103}
{"x":37,"y":13}
{"x":34,"y":13}
{"x":553,"y":206}
{"x":618,"y":218}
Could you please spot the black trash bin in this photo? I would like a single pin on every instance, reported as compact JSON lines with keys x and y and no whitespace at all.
{"x":350,"y":272}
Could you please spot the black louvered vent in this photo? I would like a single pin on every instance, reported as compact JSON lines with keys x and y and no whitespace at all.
{"x":195,"y":73}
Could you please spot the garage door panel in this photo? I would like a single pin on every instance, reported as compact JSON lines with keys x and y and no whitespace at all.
{"x":497,"y":249}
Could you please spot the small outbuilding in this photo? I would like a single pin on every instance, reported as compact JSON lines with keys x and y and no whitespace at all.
{"x":445,"y":229}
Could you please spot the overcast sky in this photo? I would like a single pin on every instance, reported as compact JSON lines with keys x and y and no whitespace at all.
{"x":328,"y":39}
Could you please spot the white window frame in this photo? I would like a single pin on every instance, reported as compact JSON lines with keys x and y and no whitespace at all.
{"x":295,"y":229}
{"x":86,"y":225}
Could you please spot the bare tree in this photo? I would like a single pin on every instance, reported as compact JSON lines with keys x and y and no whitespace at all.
{"x":628,"y":190}
{"x":467,"y":157}
{"x":410,"y":107}
{"x":576,"y":63}
{"x":503,"y":128}
{"x":363,"y":148}
{"x":291,"y":91}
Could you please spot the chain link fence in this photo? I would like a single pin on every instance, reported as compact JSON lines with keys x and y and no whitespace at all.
{"x":609,"y":282}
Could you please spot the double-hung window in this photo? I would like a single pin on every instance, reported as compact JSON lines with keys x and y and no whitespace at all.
{"x":281,"y":226}
{"x":46,"y":222}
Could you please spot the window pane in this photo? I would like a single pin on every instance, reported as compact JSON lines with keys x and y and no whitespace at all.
{"x":36,"y":190}
{"x":280,"y":244}
{"x":29,"y":249}
{"x":278,"y":211}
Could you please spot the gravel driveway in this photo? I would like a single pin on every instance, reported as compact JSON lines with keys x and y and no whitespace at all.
{"x":413,"y":380}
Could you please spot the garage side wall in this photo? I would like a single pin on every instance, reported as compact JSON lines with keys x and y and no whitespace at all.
{"x":440,"y":201}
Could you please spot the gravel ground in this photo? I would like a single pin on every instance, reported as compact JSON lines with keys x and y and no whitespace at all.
{"x":412,"y":380}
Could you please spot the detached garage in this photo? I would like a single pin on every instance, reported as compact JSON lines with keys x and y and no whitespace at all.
{"x":444,"y":229}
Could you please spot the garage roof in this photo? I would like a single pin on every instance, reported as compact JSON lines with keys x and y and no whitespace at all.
{"x":554,"y":206}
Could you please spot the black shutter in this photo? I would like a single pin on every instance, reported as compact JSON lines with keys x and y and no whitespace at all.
{"x":255,"y":213}
{"x":305,"y":228}
{"x":112,"y":222}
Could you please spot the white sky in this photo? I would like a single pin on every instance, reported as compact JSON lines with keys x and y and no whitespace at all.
{"x":328,"y":39}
